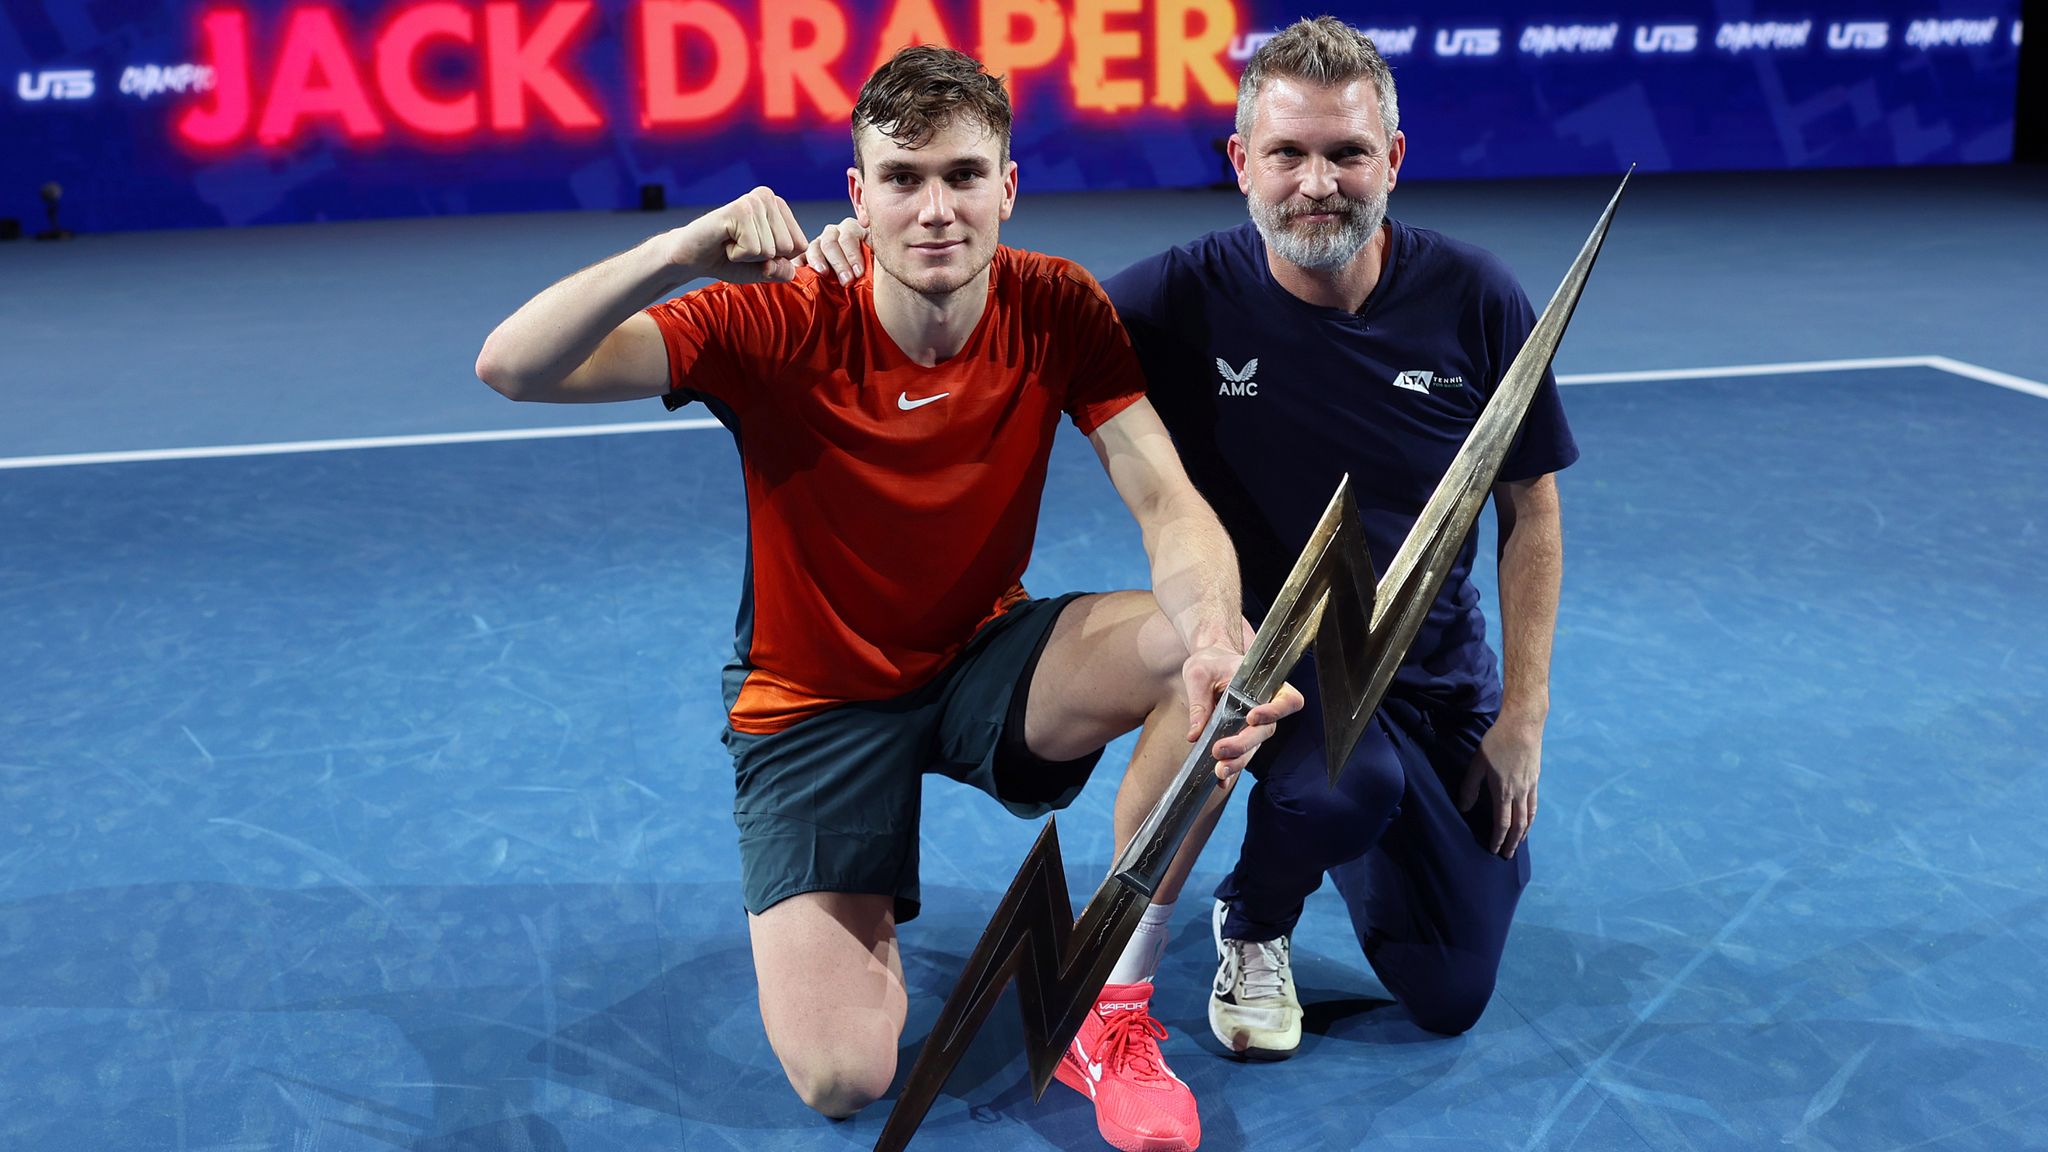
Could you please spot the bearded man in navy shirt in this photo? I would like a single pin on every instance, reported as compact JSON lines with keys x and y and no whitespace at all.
{"x":1318,"y":339}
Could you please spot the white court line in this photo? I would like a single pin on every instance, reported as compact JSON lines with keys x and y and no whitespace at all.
{"x":1989,"y":376}
{"x":289,"y":446}
{"x":1751,"y":370}
{"x":1938,"y":363}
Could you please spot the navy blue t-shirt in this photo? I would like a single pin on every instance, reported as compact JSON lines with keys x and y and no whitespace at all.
{"x":1271,"y":400}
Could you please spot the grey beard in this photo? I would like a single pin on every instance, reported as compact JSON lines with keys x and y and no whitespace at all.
{"x":1325,"y":246}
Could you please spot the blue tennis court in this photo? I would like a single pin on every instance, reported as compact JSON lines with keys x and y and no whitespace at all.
{"x":369,"y":797}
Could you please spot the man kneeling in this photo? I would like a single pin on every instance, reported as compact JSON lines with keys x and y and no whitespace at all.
{"x":894,"y":433}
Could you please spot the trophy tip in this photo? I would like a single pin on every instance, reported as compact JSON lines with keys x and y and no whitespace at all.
{"x":1041,"y":1076}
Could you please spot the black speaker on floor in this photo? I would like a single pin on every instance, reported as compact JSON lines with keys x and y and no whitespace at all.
{"x":10,"y":228}
{"x":653,"y":198}
{"x":2030,"y":122}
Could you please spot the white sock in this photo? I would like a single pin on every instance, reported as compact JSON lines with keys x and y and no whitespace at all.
{"x":1140,"y":961}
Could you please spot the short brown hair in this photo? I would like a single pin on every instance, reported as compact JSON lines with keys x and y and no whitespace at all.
{"x":920,"y":91}
{"x":1325,"y":52}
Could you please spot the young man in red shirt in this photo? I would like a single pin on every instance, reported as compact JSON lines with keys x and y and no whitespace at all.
{"x":894,"y":434}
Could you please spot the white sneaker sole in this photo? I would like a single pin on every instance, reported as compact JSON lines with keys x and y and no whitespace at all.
{"x":1249,"y":1043}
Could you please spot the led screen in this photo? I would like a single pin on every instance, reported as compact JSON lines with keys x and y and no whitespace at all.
{"x":159,"y":113}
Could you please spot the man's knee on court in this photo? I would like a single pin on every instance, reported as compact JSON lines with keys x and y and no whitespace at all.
{"x":840,"y":1083}
{"x":1335,"y":825}
{"x":1454,"y":999}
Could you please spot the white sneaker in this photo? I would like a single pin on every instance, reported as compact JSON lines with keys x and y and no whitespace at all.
{"x":1252,"y":1008}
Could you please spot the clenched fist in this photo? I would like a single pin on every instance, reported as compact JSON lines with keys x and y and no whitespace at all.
{"x":753,"y":239}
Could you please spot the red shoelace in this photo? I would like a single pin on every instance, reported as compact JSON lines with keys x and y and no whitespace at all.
{"x":1130,"y":1044}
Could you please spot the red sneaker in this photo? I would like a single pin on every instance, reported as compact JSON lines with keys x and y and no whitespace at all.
{"x":1140,"y":1105}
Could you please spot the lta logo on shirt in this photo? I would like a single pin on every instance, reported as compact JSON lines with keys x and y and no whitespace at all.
{"x":1238,"y":381}
{"x":1422,"y":382}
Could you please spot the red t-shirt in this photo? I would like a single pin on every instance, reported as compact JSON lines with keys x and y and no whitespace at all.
{"x":890,"y":506}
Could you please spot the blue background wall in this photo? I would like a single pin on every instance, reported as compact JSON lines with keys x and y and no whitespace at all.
{"x":1496,"y":88}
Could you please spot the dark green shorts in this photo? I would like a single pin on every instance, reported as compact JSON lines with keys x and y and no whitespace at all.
{"x":831,"y":804}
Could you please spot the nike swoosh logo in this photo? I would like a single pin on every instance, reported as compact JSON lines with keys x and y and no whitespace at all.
{"x":904,"y":401}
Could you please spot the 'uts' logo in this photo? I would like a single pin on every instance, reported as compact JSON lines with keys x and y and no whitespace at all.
{"x":1248,"y":43}
{"x":73,"y":84}
{"x":1467,"y":41}
{"x":1667,"y":37}
{"x":1238,"y":381}
{"x":1862,"y":36}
